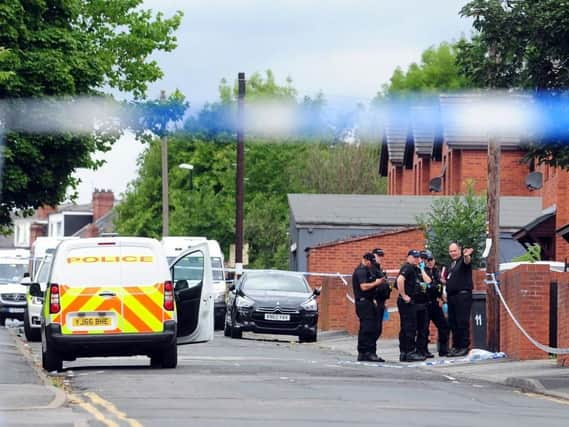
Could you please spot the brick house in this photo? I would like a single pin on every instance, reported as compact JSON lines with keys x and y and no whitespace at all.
{"x":85,"y":220}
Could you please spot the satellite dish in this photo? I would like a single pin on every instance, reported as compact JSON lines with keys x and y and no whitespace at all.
{"x":534,"y":181}
{"x":436,"y":184}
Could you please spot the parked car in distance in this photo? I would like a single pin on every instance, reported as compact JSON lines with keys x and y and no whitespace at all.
{"x":272,"y":302}
{"x":13,"y":267}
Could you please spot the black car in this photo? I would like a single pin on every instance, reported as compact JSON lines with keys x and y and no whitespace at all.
{"x":272,"y":302}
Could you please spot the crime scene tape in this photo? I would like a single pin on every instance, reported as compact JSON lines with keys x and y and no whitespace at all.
{"x":536,"y":343}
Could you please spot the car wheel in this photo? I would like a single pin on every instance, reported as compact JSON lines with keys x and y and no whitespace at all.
{"x":219,"y":324}
{"x":170,"y":357}
{"x":51,"y":361}
{"x":236,"y":332}
{"x":227,"y":330}
{"x":32,"y":334}
{"x":312,"y":337}
{"x":2,"y":320}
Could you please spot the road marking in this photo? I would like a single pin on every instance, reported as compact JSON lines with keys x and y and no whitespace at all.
{"x":98,"y":400}
{"x":92,"y":410}
{"x":550,"y":398}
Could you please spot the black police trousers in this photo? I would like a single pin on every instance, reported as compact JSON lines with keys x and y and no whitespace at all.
{"x":436,"y":315}
{"x":409,"y":314}
{"x":459,"y":308}
{"x":369,"y":325}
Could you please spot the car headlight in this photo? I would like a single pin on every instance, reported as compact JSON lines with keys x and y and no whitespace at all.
{"x":37,"y":300}
{"x":243,"y":301}
{"x":310,"y":305}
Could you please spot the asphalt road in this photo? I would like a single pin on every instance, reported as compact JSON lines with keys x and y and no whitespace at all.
{"x":265,"y":381}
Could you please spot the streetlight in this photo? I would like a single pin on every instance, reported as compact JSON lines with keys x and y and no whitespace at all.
{"x":189,"y":167}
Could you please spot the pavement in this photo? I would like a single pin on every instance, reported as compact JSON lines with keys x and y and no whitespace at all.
{"x":28,"y":397}
{"x":542,"y":377}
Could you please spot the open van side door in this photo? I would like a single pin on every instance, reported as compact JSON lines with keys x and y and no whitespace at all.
{"x":192,"y":277}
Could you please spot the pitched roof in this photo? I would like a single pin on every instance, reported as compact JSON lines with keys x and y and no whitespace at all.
{"x":397,"y":211}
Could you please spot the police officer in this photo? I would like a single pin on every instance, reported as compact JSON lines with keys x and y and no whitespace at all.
{"x":365,"y":285}
{"x":383,"y":291}
{"x":409,"y":285}
{"x":434,"y":311}
{"x":458,"y":282}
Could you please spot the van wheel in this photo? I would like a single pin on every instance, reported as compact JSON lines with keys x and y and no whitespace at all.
{"x":170,"y":357}
{"x":51,"y":361}
{"x":32,"y":334}
{"x":2,"y":320}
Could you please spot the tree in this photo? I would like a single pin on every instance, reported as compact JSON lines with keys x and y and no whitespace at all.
{"x":64,"y":50}
{"x":523,"y":45}
{"x":437,"y":71}
{"x":457,"y":218}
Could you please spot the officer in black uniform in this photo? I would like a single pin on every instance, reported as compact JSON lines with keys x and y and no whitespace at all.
{"x":459,"y":294}
{"x":365,"y":285}
{"x":383,"y":291}
{"x":409,"y":285}
{"x":434,"y":310}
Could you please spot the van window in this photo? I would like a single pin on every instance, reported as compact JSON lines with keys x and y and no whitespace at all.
{"x":110,"y":265}
{"x":190,"y":268}
{"x":217,"y":266}
{"x":43,"y":272}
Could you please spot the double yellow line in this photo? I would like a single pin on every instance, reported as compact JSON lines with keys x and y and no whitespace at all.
{"x":103,"y":411}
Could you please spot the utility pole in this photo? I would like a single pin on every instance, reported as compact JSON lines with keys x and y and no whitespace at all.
{"x":165,"y":202}
{"x":493,"y":260}
{"x":239,"y":184}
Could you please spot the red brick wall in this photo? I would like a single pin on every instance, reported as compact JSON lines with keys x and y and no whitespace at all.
{"x":474,"y":168}
{"x":526,"y":290}
{"x":344,"y":257}
{"x":563,"y":316}
{"x":513,"y":174}
{"x":408,"y":181}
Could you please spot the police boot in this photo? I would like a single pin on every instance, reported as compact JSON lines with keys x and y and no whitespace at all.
{"x":414,"y":357}
{"x":443,"y":349}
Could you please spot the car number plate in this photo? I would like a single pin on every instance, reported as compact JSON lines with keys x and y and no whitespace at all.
{"x":15,"y":310}
{"x":79,"y":322}
{"x":281,"y":317}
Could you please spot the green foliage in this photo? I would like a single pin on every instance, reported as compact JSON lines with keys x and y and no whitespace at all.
{"x":437,"y":71}
{"x":520,"y":45}
{"x":65,"y":49}
{"x":273,"y":168}
{"x":457,"y":218}
{"x":532,"y":254}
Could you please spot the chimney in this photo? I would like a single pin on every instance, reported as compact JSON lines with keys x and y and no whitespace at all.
{"x":103,"y":202}
{"x":43,"y":212}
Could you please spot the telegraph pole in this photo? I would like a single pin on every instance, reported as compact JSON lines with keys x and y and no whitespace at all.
{"x":239,"y":187}
{"x":165,"y":202}
{"x":493,"y":260}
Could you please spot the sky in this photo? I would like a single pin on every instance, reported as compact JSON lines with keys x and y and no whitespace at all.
{"x":345,"y":48}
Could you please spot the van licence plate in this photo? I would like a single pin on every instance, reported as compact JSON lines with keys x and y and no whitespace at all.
{"x":280,"y":317}
{"x":15,"y":310}
{"x":79,"y":322}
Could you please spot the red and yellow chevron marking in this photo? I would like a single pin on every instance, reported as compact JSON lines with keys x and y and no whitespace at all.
{"x":137,"y":308}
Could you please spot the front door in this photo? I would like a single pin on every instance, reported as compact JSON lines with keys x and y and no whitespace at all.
{"x":192,"y":277}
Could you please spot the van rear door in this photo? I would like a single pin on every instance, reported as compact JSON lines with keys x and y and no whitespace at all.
{"x":111,"y":288}
{"x":192,"y":278}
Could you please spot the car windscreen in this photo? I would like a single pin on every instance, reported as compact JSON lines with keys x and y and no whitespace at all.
{"x":217,"y":266}
{"x":110,"y":265}
{"x":275,"y":282}
{"x":12,"y":273}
